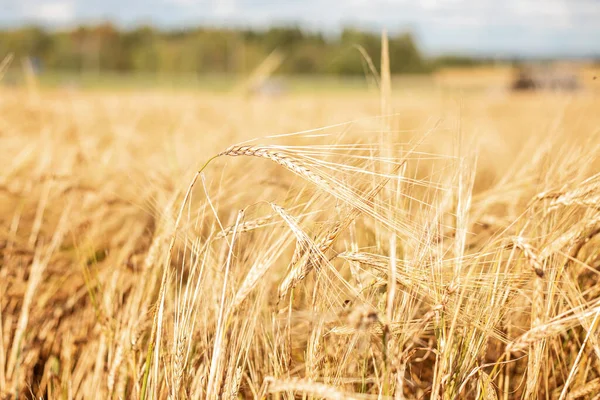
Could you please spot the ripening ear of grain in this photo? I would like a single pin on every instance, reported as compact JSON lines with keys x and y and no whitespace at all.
{"x":381,"y":246}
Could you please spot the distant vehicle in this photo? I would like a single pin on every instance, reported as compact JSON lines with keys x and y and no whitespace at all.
{"x":37,"y":65}
{"x":260,"y":81}
{"x":270,"y":88}
{"x":545,"y":77}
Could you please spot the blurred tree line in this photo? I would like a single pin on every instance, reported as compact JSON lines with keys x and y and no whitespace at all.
{"x":213,"y":50}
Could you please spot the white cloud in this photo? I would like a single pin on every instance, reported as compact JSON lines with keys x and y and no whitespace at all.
{"x":184,"y":3}
{"x":225,"y":8}
{"x":207,"y":8}
{"x":53,"y":12}
{"x":550,"y":13}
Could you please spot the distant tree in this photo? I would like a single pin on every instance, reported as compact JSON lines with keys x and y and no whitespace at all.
{"x":282,"y":37}
{"x":305,"y":59}
{"x":404,"y":55}
{"x":105,"y":47}
{"x":142,"y":45}
{"x":64,"y":54}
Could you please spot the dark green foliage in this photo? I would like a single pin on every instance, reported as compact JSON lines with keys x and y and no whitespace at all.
{"x":211,"y":50}
{"x":457,"y":61}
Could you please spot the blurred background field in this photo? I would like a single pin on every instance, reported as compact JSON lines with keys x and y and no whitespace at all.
{"x":450,"y":79}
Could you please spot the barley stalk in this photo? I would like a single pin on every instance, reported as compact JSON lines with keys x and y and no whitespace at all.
{"x":585,"y":390}
{"x":309,"y":388}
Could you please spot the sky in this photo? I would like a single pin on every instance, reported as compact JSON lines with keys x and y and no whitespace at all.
{"x":484,"y":27}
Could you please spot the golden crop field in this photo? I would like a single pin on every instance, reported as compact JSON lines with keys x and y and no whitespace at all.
{"x":408,"y":245}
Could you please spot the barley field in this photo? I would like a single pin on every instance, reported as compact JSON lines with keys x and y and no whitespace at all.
{"x":391,"y":244}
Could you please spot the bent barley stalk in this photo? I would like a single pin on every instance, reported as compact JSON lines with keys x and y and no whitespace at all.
{"x":280,"y":157}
